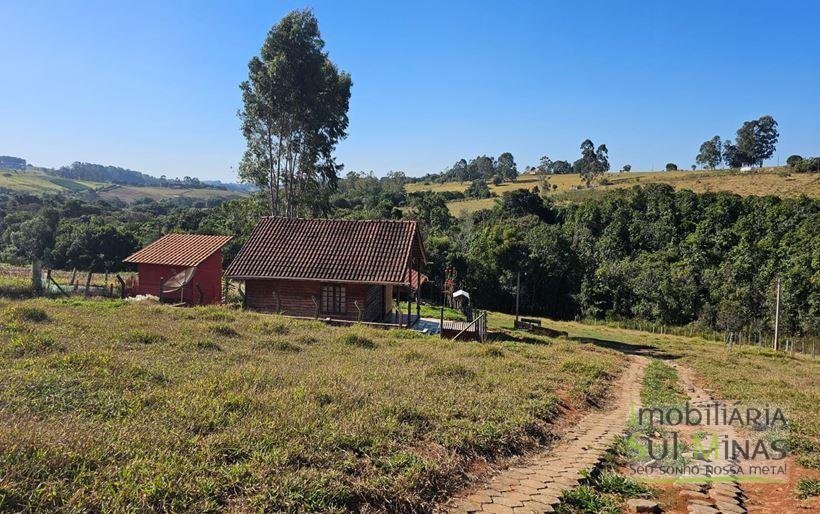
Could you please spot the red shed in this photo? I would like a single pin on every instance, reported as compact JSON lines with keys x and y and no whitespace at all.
{"x":188,"y":265}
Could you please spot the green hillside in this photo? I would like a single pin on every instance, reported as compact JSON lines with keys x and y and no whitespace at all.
{"x":36,"y":181}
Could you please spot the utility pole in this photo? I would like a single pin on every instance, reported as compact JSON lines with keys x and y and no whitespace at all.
{"x":517,"y":294}
{"x":777,"y":315}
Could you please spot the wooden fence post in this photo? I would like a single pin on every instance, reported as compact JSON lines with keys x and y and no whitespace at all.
{"x":441,"y":320}
{"x":88,"y":284}
{"x":122,"y":285}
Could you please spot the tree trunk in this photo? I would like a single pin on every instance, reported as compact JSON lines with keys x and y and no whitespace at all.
{"x":271,"y":171}
{"x":37,"y":277}
{"x":278,"y":171}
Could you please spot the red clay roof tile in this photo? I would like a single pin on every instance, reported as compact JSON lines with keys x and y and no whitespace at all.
{"x":179,"y":250}
{"x":370,"y":251}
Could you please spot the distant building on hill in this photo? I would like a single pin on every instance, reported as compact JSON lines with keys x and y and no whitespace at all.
{"x":13,"y":163}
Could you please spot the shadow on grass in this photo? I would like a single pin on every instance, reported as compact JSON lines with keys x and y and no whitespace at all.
{"x":645,"y":350}
{"x":516,"y":336}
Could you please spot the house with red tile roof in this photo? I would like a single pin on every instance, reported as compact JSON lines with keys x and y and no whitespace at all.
{"x":182,"y":268}
{"x":325,"y":268}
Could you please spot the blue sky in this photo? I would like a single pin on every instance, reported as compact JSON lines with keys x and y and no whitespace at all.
{"x":153,"y":86}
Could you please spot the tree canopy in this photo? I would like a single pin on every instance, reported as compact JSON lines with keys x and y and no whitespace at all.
{"x":593,"y":163}
{"x":755,"y":141}
{"x":710,"y":155}
{"x":295,"y":105}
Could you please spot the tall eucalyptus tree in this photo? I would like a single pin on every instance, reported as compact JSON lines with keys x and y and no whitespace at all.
{"x":295,"y":105}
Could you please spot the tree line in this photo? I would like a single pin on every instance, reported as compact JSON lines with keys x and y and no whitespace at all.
{"x":123,"y":176}
{"x":651,"y":253}
{"x":482,"y":167}
{"x":755,"y":142}
{"x":63,"y":232}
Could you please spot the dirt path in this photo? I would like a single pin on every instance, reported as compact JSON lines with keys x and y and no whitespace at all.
{"x":536,"y":485}
{"x":733,"y":494}
{"x":711,"y":490}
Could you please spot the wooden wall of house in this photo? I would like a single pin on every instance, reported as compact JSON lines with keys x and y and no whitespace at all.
{"x":295,"y":298}
{"x":208,"y":275}
{"x":373,"y":303}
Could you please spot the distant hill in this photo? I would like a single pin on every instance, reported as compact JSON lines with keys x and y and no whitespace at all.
{"x":12,"y":163}
{"x":231,"y":186}
{"x":123,"y":176}
{"x":778,"y":181}
{"x":40,"y":181}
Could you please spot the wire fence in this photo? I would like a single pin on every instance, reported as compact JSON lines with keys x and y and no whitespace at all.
{"x":802,"y":345}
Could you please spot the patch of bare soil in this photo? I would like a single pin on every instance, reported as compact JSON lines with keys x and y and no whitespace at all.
{"x":780,"y":498}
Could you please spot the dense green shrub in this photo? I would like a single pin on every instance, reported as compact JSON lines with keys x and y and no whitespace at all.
{"x":810,"y":165}
{"x":793,"y":160}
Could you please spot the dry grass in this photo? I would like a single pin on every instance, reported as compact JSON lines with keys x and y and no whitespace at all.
{"x":751,"y":374}
{"x":769,"y":181}
{"x":110,"y":406}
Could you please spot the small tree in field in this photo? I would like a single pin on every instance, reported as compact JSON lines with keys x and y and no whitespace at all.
{"x":710,"y":154}
{"x":478,"y":189}
{"x":671,"y":166}
{"x":506,"y":167}
{"x":626,"y":168}
{"x":592,"y":163}
{"x":34,"y":241}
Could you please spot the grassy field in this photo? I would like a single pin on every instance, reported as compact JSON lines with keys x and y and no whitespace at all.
{"x":750,"y":374}
{"x":37,"y":182}
{"x":130,"y":194}
{"x":34,"y":181}
{"x":107,"y":405}
{"x":15,"y":281}
{"x":774,"y":181}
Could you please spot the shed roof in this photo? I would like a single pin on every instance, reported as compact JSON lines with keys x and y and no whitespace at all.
{"x":368,"y":251}
{"x":179,"y":250}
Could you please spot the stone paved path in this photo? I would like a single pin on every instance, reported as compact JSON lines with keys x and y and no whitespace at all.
{"x":537,"y":485}
{"x":705,"y":495}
